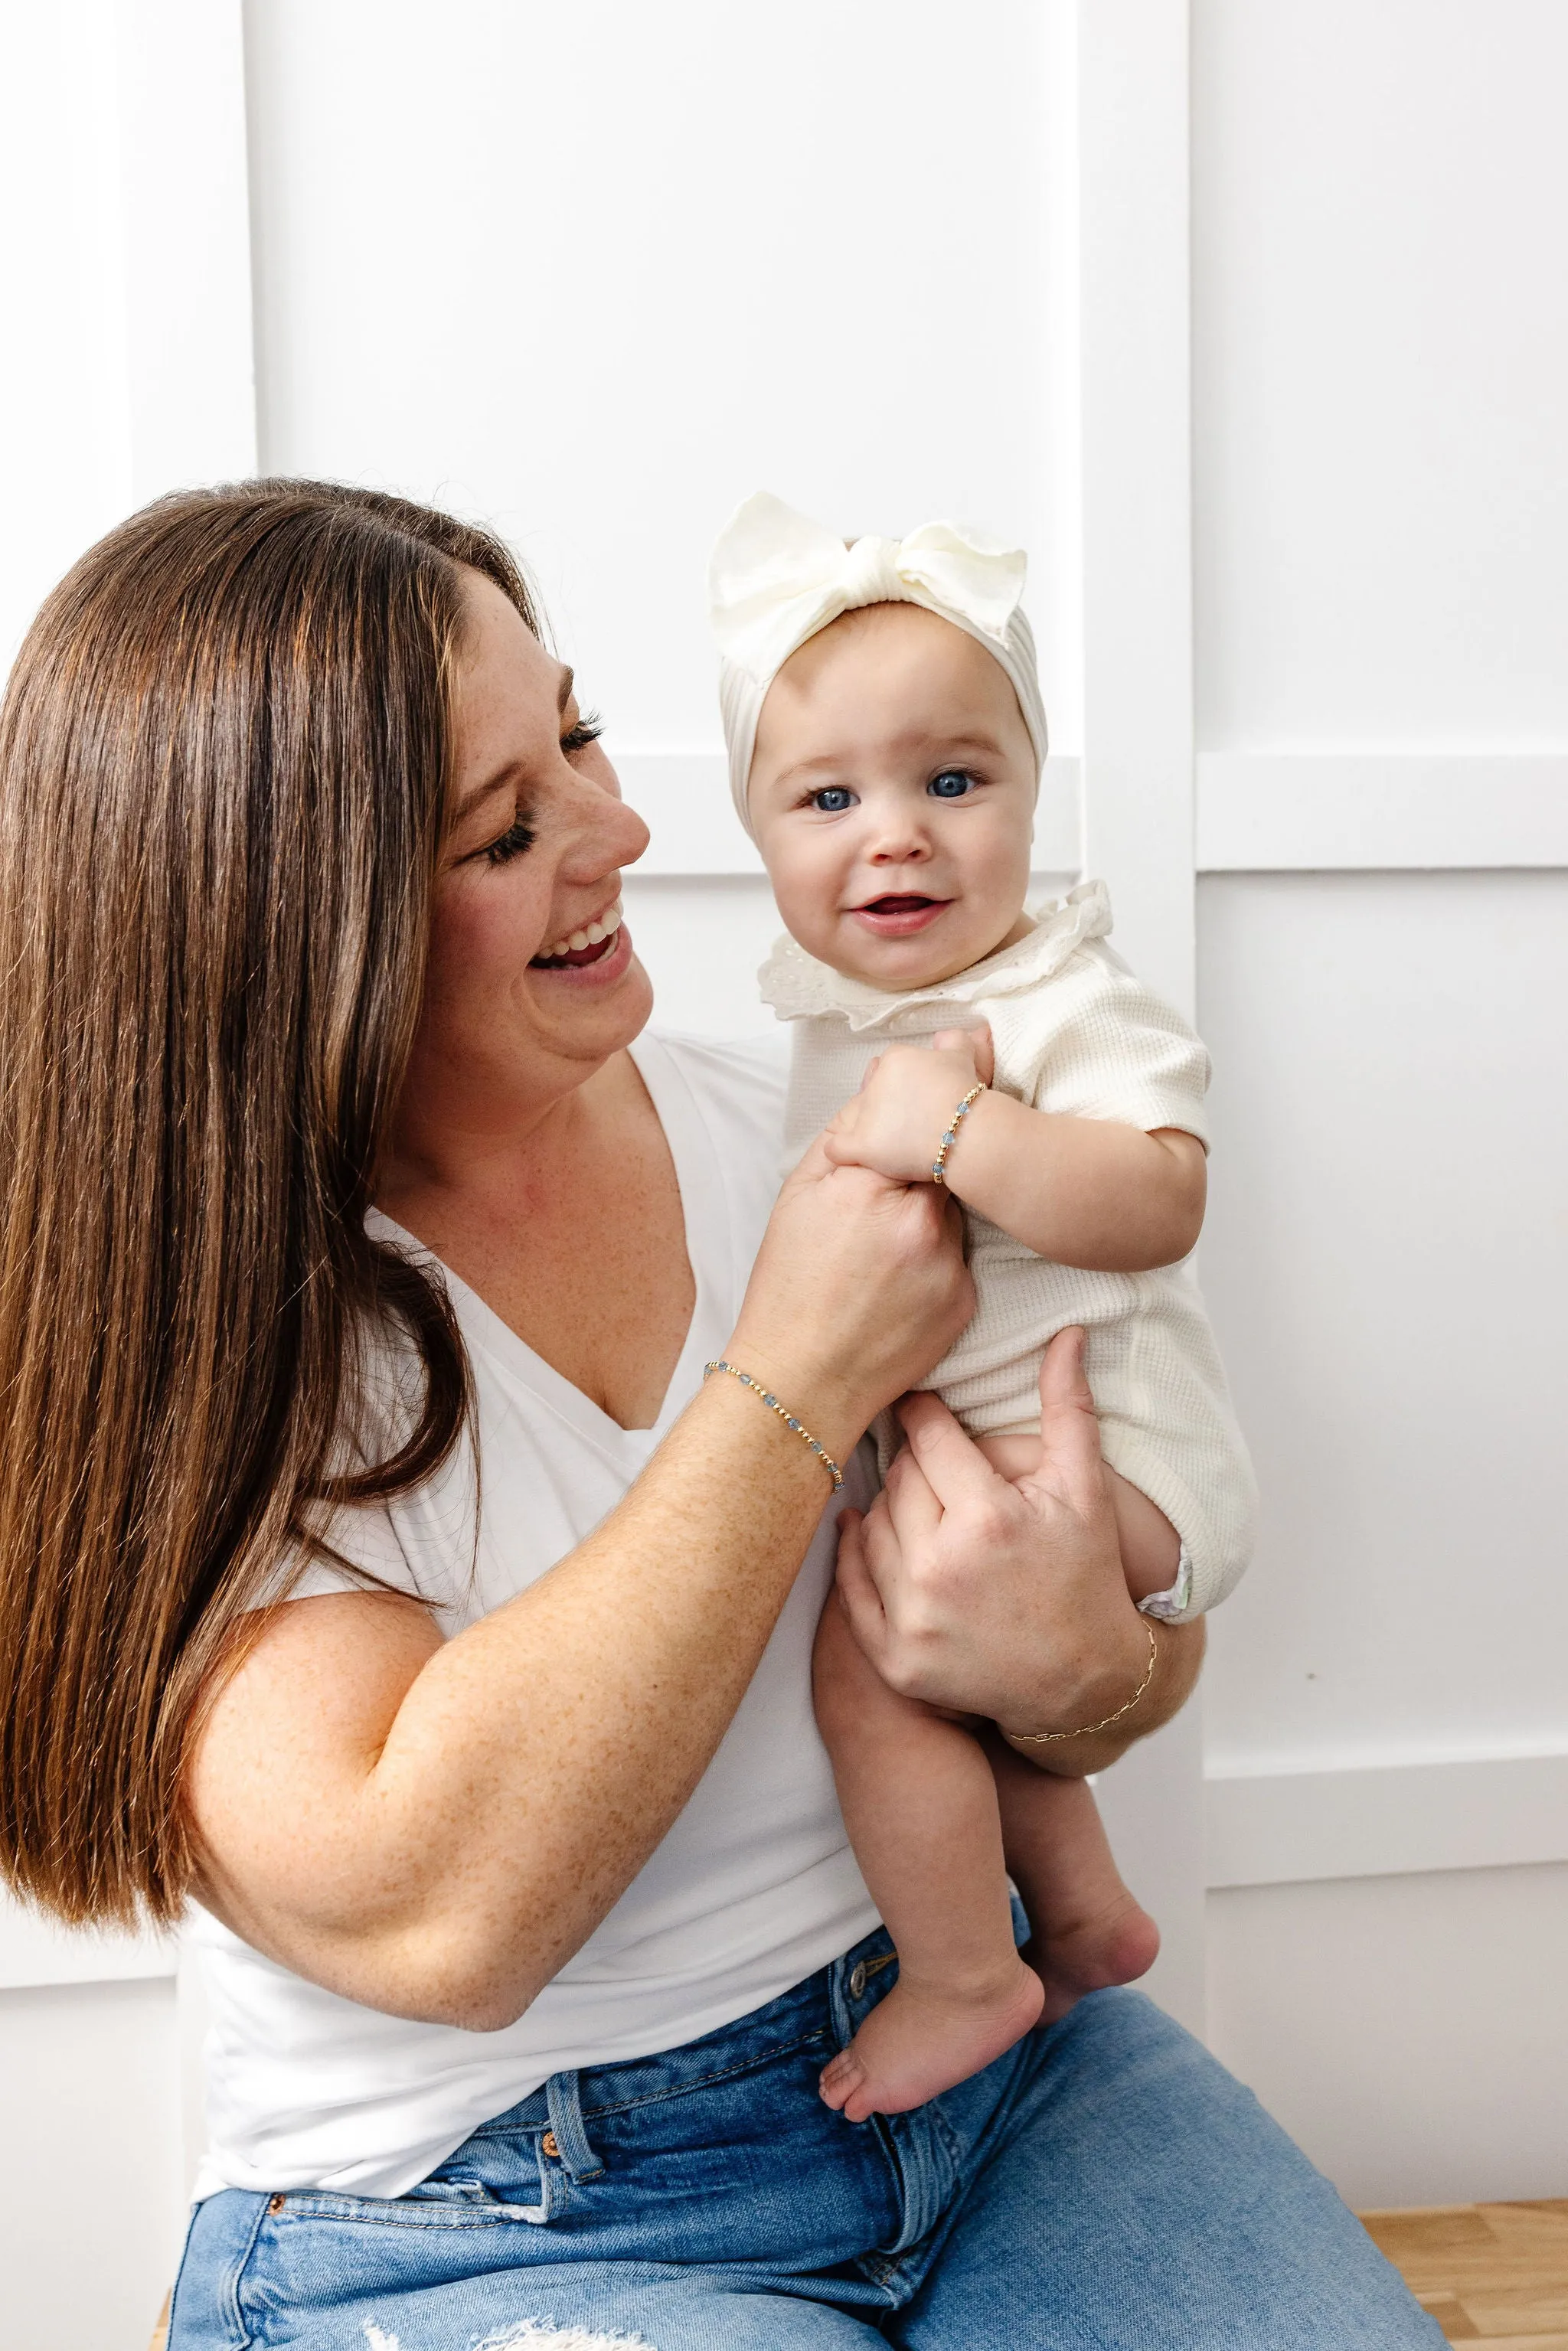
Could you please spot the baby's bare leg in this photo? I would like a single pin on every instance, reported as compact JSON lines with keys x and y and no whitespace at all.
{"x":1089,"y":1929}
{"x":920,"y":1803}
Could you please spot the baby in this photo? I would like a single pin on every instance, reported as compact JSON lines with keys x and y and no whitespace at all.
{"x":886,"y":736}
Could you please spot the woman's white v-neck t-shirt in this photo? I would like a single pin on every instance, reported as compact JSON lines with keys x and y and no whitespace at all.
{"x":755,"y":1885}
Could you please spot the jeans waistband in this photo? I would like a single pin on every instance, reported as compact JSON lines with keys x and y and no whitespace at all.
{"x":841,"y":1991}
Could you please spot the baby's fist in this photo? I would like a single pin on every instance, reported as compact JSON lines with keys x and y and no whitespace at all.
{"x":897,"y":1122}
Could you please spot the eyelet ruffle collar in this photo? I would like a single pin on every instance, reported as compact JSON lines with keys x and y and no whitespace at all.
{"x":798,"y":988}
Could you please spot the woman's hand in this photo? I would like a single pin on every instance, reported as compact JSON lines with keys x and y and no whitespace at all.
{"x":859,"y":1288}
{"x":1008,"y":1600}
{"x":897,"y":1122}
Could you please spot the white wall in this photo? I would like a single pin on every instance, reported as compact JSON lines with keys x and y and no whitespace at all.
{"x":1380,"y":374}
{"x":91,"y":2173}
{"x":125,"y":283}
{"x":1294,"y":491}
{"x":598,"y":272}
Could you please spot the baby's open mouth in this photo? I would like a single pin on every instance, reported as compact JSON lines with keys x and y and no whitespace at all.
{"x":591,"y":945}
{"x":899,"y":912}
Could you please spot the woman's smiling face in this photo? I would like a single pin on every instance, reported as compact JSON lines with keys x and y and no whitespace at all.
{"x":532,"y":983}
{"x":893,"y":792}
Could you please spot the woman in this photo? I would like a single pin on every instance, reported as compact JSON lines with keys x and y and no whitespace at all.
{"x":356,"y":1271}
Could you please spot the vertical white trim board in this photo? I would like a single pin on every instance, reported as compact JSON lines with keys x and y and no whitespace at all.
{"x":1136,"y":470}
{"x":185,"y":234}
{"x":1136,"y":473}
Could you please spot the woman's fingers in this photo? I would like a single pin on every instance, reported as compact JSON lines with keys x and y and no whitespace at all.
{"x":1069,"y":1430}
{"x":953,"y":1466}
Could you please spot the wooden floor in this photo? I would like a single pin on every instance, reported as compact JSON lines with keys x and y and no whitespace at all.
{"x":1492,"y":2275}
{"x":1489,"y":2274}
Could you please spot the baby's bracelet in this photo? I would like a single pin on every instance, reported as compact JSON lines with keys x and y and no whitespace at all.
{"x":1049,"y":1737}
{"x":939,"y":1164}
{"x":823,"y":1456}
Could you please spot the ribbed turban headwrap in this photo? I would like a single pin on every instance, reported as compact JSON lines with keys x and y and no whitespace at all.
{"x":775,"y":579}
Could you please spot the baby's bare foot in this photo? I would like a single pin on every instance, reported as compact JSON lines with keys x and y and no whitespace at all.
{"x":1113,"y":1944}
{"x":924,"y":2038}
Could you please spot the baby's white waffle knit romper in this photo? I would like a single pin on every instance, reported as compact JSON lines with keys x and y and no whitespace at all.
{"x":1076,"y":1033}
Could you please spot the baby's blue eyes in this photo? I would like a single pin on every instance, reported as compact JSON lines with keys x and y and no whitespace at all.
{"x":952,"y":784}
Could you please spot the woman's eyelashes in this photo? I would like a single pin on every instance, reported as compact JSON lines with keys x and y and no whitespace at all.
{"x":588,"y":729}
{"x":519,"y":835}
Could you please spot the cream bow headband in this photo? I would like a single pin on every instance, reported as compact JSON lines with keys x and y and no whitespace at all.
{"x":775,"y":579}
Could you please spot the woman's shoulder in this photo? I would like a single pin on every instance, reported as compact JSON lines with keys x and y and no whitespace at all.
{"x":736,"y":1085}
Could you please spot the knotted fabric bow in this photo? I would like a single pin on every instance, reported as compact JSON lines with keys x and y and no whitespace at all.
{"x":776,"y":577}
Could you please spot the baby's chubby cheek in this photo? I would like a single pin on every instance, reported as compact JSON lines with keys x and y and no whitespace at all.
{"x":809,"y":903}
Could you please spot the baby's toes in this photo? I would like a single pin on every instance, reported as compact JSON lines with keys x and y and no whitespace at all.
{"x":841,"y":2079}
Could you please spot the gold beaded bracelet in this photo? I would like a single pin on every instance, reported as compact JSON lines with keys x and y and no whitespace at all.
{"x":823,"y":1456}
{"x":1049,"y":1737}
{"x":939,"y":1164}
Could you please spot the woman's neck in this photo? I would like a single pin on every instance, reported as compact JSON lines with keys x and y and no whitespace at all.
{"x":449,"y":1150}
{"x":569,"y":1226}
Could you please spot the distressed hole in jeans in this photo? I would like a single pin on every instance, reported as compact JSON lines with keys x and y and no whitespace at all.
{"x":531,"y":2335}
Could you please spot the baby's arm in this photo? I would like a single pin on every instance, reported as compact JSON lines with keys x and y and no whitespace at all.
{"x":1085,"y":1192}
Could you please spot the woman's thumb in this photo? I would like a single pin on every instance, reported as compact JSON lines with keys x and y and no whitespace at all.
{"x":1069,"y":1431}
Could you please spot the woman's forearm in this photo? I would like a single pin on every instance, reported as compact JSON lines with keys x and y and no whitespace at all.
{"x":444,"y":1854}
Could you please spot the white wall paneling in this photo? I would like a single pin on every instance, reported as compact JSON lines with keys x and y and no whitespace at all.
{"x":1136,"y":502}
{"x":1386,"y":1265}
{"x":1380,"y":365}
{"x":1380,"y":344}
{"x":125,"y":277}
{"x":91,"y":2187}
{"x":1344,"y":811}
{"x":1406,"y":2030}
{"x":126,"y":272}
{"x":598,"y":272}
{"x":35,"y":1951}
{"x":1386,"y":1819}
{"x":184,"y":241}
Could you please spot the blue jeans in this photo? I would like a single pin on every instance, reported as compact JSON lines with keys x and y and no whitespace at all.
{"x":1105,"y":2186}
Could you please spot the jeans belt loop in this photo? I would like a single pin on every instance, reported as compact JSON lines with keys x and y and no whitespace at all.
{"x":565,"y":2105}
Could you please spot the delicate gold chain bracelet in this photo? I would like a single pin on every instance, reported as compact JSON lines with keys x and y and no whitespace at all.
{"x":1049,"y":1738}
{"x":939,"y":1164}
{"x":823,"y":1456}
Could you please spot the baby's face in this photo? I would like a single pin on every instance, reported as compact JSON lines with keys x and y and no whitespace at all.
{"x":892,"y":793}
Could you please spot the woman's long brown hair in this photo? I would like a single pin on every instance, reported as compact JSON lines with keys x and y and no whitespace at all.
{"x":224,"y":760}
